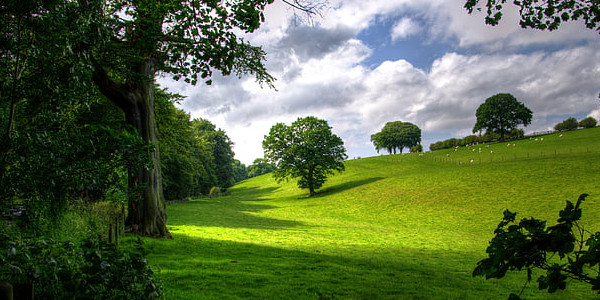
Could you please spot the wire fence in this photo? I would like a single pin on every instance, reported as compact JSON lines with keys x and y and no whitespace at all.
{"x":489,"y":156}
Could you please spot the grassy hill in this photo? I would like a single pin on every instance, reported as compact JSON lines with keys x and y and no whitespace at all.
{"x":390,"y":227}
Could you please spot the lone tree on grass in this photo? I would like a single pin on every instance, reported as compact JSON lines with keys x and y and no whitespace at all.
{"x":306,"y":150}
{"x":500,"y":114}
{"x":396,"y":136}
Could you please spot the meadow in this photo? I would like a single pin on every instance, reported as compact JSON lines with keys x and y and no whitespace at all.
{"x":390,"y":227}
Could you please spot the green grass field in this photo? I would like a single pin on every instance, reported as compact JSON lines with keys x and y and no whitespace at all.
{"x":390,"y":227}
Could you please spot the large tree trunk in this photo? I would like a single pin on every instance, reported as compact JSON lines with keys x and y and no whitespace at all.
{"x":146,"y":212}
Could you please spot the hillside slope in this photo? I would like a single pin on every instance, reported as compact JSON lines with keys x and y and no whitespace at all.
{"x":390,"y":227}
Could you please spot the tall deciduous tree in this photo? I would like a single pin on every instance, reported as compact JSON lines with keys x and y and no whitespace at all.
{"x":306,"y":150}
{"x":541,"y":14}
{"x":500,"y":114}
{"x":121,"y":46}
{"x":189,"y":39}
{"x":396,"y":136}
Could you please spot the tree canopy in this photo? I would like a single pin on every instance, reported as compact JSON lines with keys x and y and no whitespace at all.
{"x":120,"y":46}
{"x":396,"y":136}
{"x":306,"y":150}
{"x":500,"y":114}
{"x":543,"y":15}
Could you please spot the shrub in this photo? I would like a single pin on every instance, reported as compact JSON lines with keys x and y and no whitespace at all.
{"x":63,"y":270}
{"x":588,"y":122}
{"x":416,"y":148}
{"x":216,"y":191}
{"x":516,"y":133}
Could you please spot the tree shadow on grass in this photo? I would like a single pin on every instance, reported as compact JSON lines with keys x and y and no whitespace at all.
{"x":196,"y":268}
{"x":236,"y":211}
{"x":331,"y":190}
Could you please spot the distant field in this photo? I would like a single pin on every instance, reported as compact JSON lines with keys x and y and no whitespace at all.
{"x":390,"y":227}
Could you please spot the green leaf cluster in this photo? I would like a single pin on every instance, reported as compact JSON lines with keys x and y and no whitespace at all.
{"x":306,"y":150}
{"x":528,"y":244}
{"x":64,"y":270}
{"x":543,"y":15}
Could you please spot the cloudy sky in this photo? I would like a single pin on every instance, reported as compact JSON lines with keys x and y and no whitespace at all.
{"x":428,"y":62}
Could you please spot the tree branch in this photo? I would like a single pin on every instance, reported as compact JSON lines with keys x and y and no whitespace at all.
{"x":114,"y":91}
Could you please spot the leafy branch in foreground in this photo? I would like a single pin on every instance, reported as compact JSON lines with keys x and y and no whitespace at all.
{"x":529,"y":245}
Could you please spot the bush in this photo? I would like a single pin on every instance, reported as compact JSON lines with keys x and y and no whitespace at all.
{"x":216,"y":191}
{"x":63,"y":270}
{"x":516,"y":134}
{"x":416,"y":148}
{"x":588,"y":122}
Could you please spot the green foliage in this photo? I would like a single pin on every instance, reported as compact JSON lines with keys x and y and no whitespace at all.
{"x":259,"y":167}
{"x":306,"y":150}
{"x":239,"y":171}
{"x":56,"y":154}
{"x":588,"y":122}
{"x":64,"y":270}
{"x":529,"y":245}
{"x":222,"y":153}
{"x":500,"y":114}
{"x":516,"y":134}
{"x":568,"y":124}
{"x":543,"y":15}
{"x":216,"y":191}
{"x":187,"y":164}
{"x":396,"y":136}
{"x":416,"y":148}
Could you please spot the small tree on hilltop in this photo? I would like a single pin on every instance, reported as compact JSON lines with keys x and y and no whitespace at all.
{"x":588,"y":122}
{"x":396,"y":136}
{"x":500,"y":114}
{"x":568,"y":124}
{"x":307,"y":150}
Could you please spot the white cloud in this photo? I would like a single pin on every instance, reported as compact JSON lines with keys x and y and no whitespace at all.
{"x":404,"y":28}
{"x":319,"y":73}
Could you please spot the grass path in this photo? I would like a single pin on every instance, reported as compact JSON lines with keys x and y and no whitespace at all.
{"x":390,"y":227}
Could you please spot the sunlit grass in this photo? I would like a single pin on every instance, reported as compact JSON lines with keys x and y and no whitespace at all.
{"x":390,"y":227}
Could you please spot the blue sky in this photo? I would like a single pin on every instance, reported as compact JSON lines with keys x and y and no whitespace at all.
{"x":365,"y":63}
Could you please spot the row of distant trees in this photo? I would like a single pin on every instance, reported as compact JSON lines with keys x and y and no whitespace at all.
{"x":195,"y":155}
{"x":572,"y":124}
{"x":474,"y":139}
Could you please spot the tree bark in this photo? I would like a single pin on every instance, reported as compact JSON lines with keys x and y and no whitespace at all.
{"x":147,"y":210}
